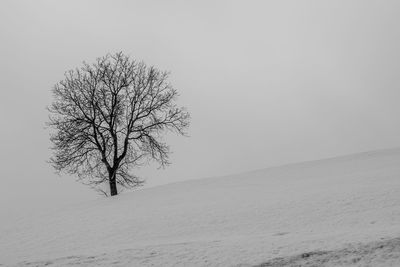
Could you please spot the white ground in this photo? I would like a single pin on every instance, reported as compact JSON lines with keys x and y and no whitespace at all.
{"x":341,"y":211}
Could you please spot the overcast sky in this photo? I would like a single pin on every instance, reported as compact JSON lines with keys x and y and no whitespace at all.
{"x":266,"y":82}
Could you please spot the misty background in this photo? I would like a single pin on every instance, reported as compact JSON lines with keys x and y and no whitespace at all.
{"x":266,"y":82}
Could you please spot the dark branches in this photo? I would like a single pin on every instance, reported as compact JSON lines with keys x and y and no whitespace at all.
{"x":109,"y":117}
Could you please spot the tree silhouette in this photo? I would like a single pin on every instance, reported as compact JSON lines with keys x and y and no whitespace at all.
{"x":109,"y":117}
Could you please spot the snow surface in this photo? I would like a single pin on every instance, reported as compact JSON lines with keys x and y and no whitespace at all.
{"x":334,"y":212}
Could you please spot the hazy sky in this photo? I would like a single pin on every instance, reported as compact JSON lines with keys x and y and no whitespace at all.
{"x":266,"y":82}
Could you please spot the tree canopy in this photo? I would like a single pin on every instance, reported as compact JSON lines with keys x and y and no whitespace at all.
{"x":109,"y":117}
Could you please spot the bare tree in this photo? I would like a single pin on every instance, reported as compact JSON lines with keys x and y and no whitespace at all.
{"x":109,"y":117}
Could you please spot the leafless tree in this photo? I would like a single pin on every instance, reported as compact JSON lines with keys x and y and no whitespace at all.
{"x":109,"y":117}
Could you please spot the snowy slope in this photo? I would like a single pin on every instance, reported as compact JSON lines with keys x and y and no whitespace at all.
{"x":270,"y":216}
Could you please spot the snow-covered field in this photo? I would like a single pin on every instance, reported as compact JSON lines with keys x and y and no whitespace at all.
{"x":334,"y":212}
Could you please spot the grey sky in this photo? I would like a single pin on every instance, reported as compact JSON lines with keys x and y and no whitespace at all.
{"x":266,"y":82}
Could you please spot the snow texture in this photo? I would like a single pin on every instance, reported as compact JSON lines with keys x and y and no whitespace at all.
{"x":343,"y":211}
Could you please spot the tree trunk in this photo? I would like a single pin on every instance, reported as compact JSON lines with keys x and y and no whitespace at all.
{"x":113,"y":185}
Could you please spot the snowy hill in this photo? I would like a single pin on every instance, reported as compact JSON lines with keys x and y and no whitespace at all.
{"x":339,"y":211}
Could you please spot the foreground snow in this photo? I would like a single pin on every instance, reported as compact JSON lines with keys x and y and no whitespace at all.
{"x":381,"y":253}
{"x":342,"y":211}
